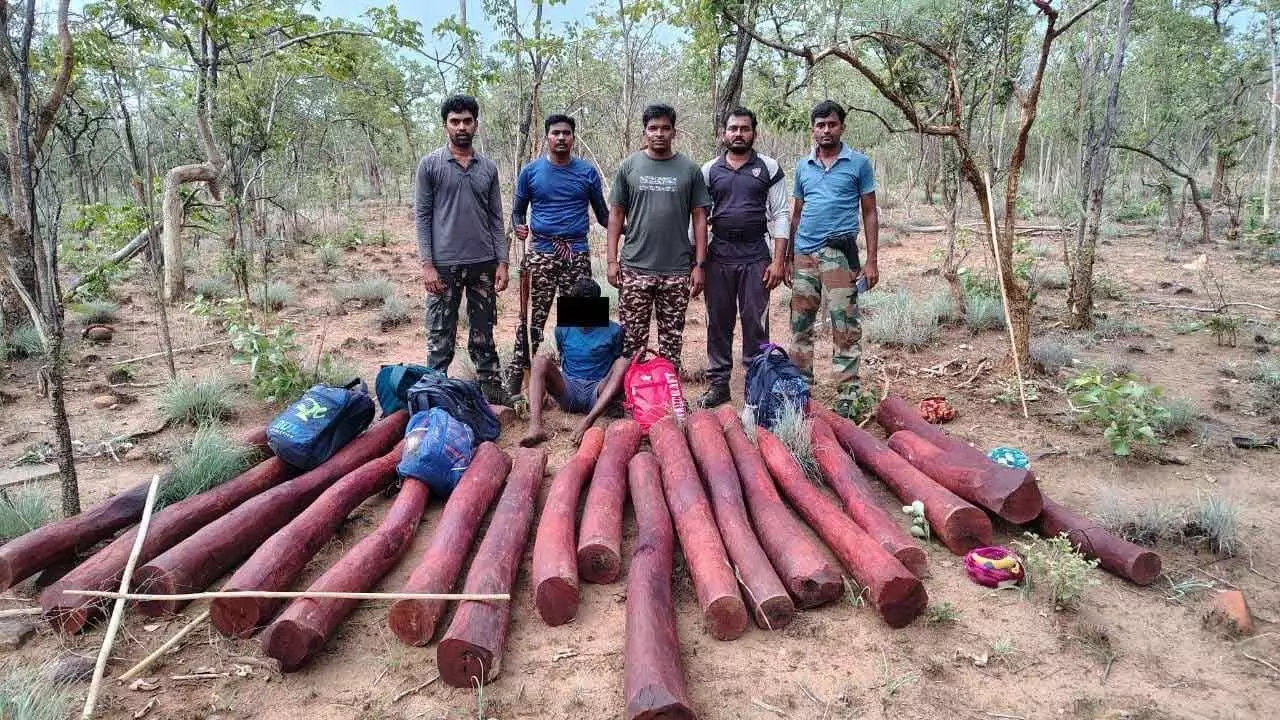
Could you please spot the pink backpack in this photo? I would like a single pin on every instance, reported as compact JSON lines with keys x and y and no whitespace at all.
{"x":651,"y":389}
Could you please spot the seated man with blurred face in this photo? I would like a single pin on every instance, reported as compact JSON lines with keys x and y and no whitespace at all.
{"x":589,"y":376}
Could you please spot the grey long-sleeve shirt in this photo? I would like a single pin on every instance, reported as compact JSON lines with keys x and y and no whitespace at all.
{"x":459,"y":212}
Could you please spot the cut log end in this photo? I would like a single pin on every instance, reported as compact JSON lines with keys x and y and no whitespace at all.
{"x":155,"y":581}
{"x":657,"y":703}
{"x":413,"y":621}
{"x":239,"y":617}
{"x":901,"y":601}
{"x":816,"y":591}
{"x":290,"y":643}
{"x":1145,"y":568}
{"x":557,"y":600}
{"x":726,"y":618}
{"x":599,"y":564}
{"x":775,"y":613}
{"x":1022,"y":505}
{"x":71,"y":618}
{"x":463,"y":664}
{"x":964,"y":529}
{"x":914,"y":558}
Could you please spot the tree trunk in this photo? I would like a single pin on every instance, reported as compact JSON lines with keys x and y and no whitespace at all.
{"x":1097,"y":166}
{"x":1218,"y":189}
{"x":172,"y":212}
{"x":1271,"y":119}
{"x":729,"y":95}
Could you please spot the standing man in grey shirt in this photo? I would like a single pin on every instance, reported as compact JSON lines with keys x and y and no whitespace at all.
{"x":656,"y":193}
{"x":462,"y":243}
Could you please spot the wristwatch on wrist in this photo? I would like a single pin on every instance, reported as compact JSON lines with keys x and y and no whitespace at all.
{"x":700,"y":263}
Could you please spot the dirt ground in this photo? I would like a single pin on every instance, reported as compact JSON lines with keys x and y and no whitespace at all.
{"x":1005,"y":656}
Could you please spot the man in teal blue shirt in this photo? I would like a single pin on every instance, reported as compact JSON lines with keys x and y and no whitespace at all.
{"x":835,"y":188}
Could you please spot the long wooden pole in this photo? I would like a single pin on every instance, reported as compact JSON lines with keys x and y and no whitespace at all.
{"x":288,"y":595}
{"x":1004,"y":298}
{"x":148,"y":660}
{"x":117,"y":612}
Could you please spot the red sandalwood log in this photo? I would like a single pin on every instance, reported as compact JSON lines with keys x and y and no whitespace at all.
{"x":851,"y":485}
{"x":64,"y":539}
{"x":414,"y":621}
{"x":959,"y":525}
{"x":600,"y":538}
{"x":300,"y":631}
{"x":802,"y":564}
{"x":771,"y":606}
{"x":283,"y":556}
{"x":1116,"y":555}
{"x":471,"y":649}
{"x":723,"y":613}
{"x":1011,"y":494}
{"x":653,"y":680}
{"x":555,"y":564}
{"x":102,"y":571}
{"x":895,"y":593}
{"x":193,"y":564}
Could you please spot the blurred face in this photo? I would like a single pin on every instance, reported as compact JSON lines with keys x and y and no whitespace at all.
{"x":738,"y":134}
{"x":560,"y":138}
{"x":461,"y":128}
{"x":827,"y":131}
{"x":658,"y":134}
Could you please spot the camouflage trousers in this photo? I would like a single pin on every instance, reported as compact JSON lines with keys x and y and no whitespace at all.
{"x":667,"y":296}
{"x":476,"y":282}
{"x":549,"y":274}
{"x":830,"y":270}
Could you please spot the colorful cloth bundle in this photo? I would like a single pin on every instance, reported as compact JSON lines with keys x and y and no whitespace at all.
{"x":994,"y":567}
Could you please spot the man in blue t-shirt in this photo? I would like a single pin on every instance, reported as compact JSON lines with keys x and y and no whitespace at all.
{"x":559,"y":187}
{"x":589,"y":377}
{"x":835,"y":188}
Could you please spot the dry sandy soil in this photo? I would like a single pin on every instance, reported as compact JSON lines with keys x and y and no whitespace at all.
{"x":1005,"y":656}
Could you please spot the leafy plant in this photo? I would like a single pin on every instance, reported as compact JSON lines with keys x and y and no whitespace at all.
{"x":24,"y":509}
{"x":1128,"y":410}
{"x":197,"y":401}
{"x":1009,"y":394}
{"x":941,"y":614}
{"x":270,"y":353}
{"x":210,"y":458}
{"x":1054,"y":564}
{"x":96,"y":311}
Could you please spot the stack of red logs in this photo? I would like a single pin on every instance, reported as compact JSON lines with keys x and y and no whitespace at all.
{"x":707,"y":484}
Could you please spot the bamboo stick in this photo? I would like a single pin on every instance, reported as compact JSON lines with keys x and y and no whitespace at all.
{"x":117,"y":612}
{"x":20,"y":612}
{"x":1004,"y":297}
{"x":148,"y":660}
{"x":289,"y":595}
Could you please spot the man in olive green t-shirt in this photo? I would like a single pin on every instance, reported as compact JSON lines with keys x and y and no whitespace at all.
{"x":655,"y":194}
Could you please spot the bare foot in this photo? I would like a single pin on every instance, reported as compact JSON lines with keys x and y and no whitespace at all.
{"x":535,"y":437}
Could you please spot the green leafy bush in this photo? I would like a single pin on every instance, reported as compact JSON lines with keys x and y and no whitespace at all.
{"x":1052,"y":563}
{"x":197,"y":401}
{"x":1128,"y":410}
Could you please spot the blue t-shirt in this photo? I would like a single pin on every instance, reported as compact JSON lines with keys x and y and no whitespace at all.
{"x":560,"y":195}
{"x":587,"y":353}
{"x":832,"y":197}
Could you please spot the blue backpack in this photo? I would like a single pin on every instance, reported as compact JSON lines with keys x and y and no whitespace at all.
{"x":393,"y":383}
{"x":772,"y":379}
{"x":460,"y":398}
{"x":437,"y":450}
{"x":320,"y":423}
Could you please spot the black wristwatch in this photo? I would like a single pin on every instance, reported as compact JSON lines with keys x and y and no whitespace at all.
{"x":700,"y":263}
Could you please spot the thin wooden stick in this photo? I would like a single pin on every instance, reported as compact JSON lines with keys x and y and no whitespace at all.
{"x":189,"y":348}
{"x":401,"y":695}
{"x":289,"y":595}
{"x":20,"y":612}
{"x":117,"y":612}
{"x":1004,"y":298}
{"x":150,"y":659}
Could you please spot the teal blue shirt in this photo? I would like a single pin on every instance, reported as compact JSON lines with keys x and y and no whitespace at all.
{"x":832,"y":197}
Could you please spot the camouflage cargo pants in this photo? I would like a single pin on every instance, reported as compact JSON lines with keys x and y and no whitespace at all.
{"x":548,"y":274}
{"x":667,"y":297}
{"x":830,"y":270}
{"x":476,"y":282}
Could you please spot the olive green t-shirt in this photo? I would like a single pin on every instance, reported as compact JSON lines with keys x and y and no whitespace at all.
{"x":659,"y":197}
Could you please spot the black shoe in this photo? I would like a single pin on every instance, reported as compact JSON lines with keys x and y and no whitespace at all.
{"x":714,"y":397}
{"x":494,"y":393}
{"x":515,"y":380}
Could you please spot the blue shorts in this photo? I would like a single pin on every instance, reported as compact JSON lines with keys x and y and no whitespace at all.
{"x":579,"y":395}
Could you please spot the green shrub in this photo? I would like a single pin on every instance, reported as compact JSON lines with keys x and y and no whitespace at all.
{"x":197,"y":401}
{"x":1128,"y":410}
{"x":210,"y":458}
{"x":1265,"y":379}
{"x":25,"y":342}
{"x":1216,"y":522}
{"x":941,"y":614}
{"x":370,"y":291}
{"x":1050,"y":354}
{"x":96,"y":311}
{"x":1052,"y":563}
{"x":983,"y":312}
{"x":26,"y":694}
{"x":214,"y":288}
{"x":944,"y":308}
{"x":336,"y":371}
{"x":393,"y":313}
{"x":900,"y":321}
{"x":24,"y":509}
{"x":330,"y":256}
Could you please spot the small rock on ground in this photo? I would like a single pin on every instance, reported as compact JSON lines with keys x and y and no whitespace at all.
{"x":15,"y":632}
{"x":69,"y":669}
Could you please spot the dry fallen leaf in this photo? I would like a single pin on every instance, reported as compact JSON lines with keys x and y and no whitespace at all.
{"x":145,"y":684}
{"x":146,"y":708}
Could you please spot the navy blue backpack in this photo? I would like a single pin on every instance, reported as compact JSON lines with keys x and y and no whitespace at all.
{"x":459,"y":398}
{"x":772,"y":379}
{"x":320,"y":423}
